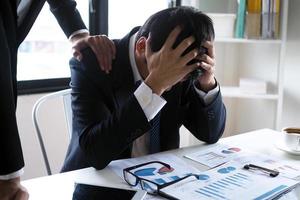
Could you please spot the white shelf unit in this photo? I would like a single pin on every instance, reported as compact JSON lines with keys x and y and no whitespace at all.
{"x":249,"y":58}
{"x":237,"y":40}
{"x":236,"y":92}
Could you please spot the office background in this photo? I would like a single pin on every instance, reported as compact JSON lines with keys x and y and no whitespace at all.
{"x":58,"y":141}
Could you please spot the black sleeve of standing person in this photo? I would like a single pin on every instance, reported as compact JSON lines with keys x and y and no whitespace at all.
{"x":69,"y":19}
{"x":11,"y":158}
{"x":66,"y":15}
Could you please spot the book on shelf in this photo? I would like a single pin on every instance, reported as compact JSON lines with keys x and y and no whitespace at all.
{"x":253,"y":19}
{"x":270,"y":19}
{"x":276,"y":18}
{"x":240,"y":19}
{"x":258,"y":19}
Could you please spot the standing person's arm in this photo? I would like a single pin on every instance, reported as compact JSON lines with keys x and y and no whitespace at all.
{"x":71,"y":23}
{"x":11,"y":157}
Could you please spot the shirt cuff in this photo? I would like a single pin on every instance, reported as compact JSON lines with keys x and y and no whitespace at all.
{"x":150,"y":102}
{"x":78,"y":32}
{"x":12,"y":175}
{"x":209,"y":96}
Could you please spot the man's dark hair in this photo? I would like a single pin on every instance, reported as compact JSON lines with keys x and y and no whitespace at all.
{"x":191,"y":21}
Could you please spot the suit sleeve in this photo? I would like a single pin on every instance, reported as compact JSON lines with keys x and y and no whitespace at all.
{"x":67,"y":15}
{"x":205,"y":122}
{"x":10,"y":147}
{"x":104,"y":132}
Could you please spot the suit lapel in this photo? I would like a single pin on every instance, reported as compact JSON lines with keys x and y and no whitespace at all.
{"x":34,"y":10}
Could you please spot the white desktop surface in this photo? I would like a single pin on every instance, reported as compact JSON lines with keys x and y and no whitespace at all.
{"x":60,"y":186}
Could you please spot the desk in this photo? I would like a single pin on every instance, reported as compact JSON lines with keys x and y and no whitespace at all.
{"x":60,"y":186}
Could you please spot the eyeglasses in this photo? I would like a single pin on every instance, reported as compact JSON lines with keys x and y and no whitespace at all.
{"x":148,"y":185}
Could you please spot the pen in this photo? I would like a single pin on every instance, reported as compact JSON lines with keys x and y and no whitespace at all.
{"x":271,"y":172}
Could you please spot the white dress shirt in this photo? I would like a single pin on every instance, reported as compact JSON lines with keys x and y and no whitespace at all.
{"x":151,"y":103}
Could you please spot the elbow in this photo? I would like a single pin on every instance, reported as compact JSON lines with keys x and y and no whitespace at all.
{"x":213,"y":137}
{"x":94,"y":154}
{"x":220,"y":129}
{"x":212,"y":140}
{"x":99,"y":165}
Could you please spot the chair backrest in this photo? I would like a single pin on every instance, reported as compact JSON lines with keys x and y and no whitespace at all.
{"x":66,"y":97}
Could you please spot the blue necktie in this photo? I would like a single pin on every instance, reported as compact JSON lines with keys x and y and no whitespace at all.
{"x":154,"y":134}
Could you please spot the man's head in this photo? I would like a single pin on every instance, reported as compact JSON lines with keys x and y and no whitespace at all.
{"x":191,"y":21}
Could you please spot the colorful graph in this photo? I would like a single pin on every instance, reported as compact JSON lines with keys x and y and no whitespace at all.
{"x":231,"y":150}
{"x":226,"y":170}
{"x":145,"y":172}
{"x":155,"y":173}
{"x":151,"y":171}
{"x":160,"y":181}
{"x":174,"y":178}
{"x":203,"y":177}
{"x":165,"y":170}
{"x":235,"y":149}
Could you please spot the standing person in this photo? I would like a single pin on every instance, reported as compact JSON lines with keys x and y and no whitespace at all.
{"x":140,"y":106}
{"x":16,"y":19}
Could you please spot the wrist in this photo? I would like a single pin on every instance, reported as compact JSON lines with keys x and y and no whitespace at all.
{"x":207,"y":85}
{"x":78,"y":36}
{"x":154,"y":85}
{"x":13,"y":180}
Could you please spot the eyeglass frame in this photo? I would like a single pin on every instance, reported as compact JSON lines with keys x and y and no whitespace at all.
{"x":159,"y":187}
{"x":138,"y":179}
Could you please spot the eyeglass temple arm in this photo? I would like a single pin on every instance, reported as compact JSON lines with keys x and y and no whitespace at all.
{"x":143,"y":164}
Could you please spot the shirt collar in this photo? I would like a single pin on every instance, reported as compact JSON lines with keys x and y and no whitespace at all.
{"x":135,"y":71}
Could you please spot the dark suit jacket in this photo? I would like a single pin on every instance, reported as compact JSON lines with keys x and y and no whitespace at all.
{"x":108,"y":118}
{"x":11,"y":36}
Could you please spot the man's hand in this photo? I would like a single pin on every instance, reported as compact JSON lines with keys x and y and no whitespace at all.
{"x":13,"y":190}
{"x":207,"y":80}
{"x":101,"y":45}
{"x":167,"y":67}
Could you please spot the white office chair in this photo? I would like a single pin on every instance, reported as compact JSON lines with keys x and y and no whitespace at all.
{"x":66,"y":96}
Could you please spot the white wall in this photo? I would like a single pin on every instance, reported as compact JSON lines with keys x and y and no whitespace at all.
{"x":56,"y":130}
{"x":291,"y":100}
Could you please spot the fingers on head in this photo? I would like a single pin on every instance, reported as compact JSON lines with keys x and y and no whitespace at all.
{"x":210,"y":47}
{"x":148,"y":47}
{"x":186,"y":43}
{"x":172,"y":37}
{"x":189,"y":56}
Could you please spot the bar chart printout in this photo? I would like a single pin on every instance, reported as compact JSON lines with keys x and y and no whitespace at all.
{"x":230,"y":181}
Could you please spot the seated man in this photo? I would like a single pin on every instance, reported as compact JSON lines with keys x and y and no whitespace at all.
{"x":138,"y":108}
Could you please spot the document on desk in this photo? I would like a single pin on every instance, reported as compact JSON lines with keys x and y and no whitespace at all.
{"x":230,"y":181}
{"x":155,"y":171}
{"x":216,"y":155}
{"x":285,"y":168}
{"x":220,"y":154}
